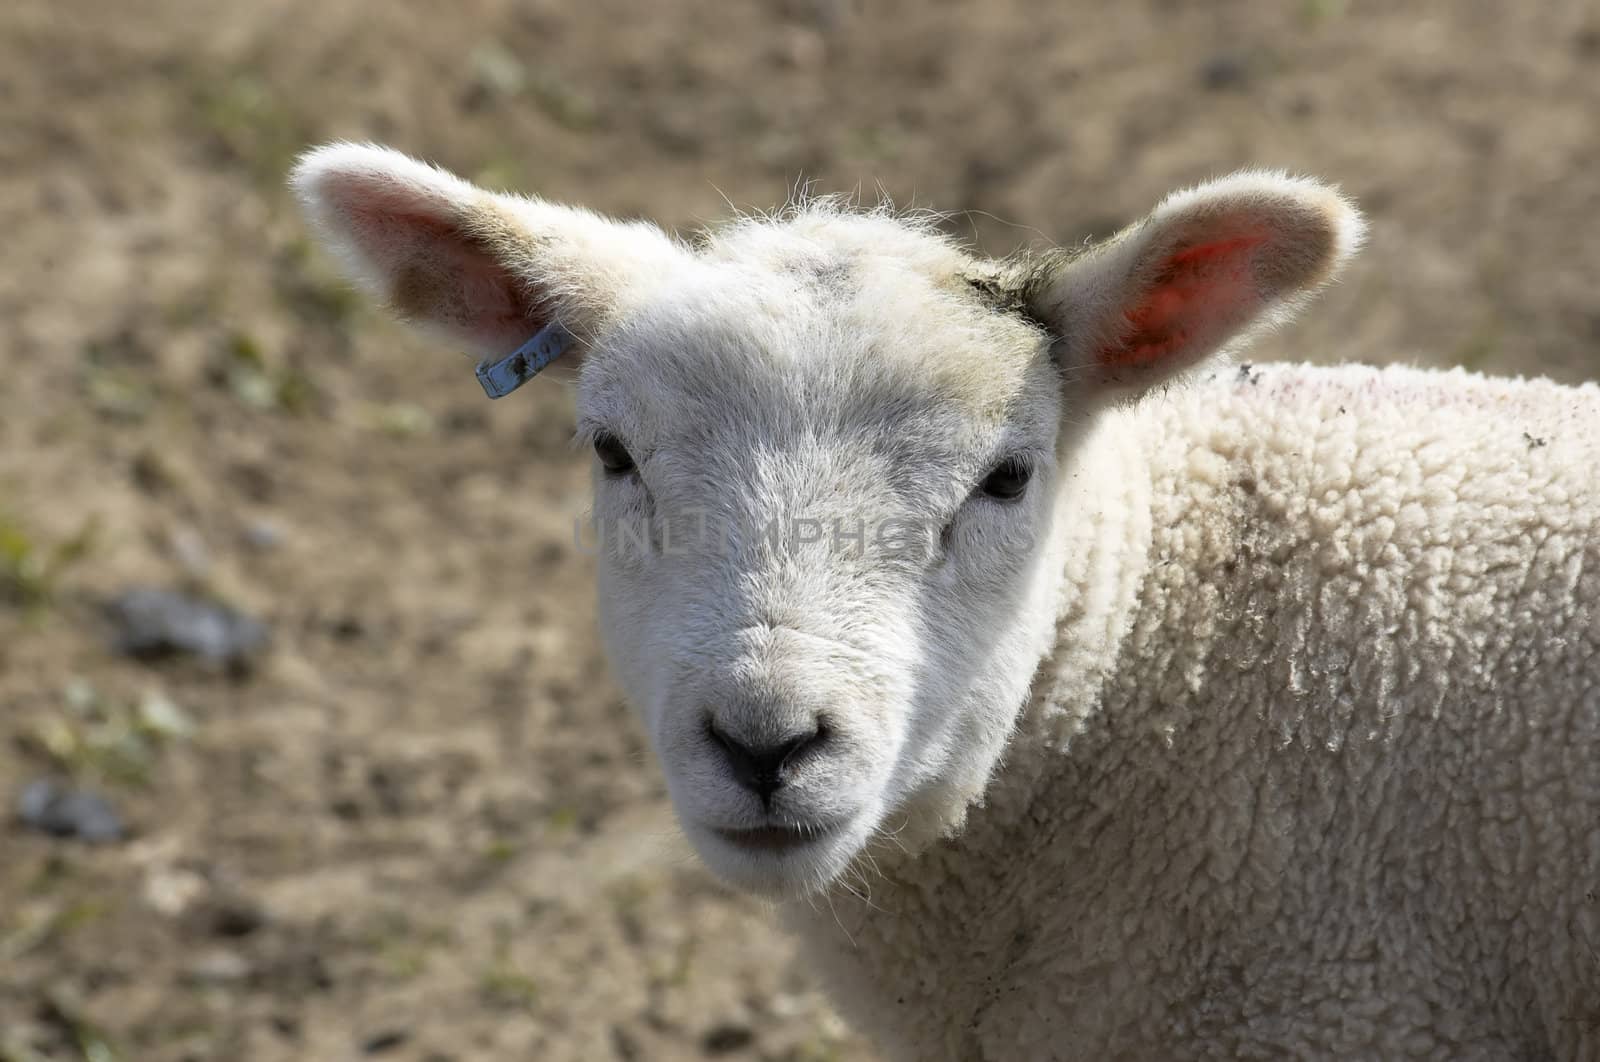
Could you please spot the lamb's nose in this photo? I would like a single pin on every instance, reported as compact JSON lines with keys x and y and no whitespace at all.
{"x":764,"y":767}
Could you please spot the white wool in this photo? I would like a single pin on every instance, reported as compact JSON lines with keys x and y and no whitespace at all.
{"x":1314,"y":768}
{"x":1215,"y":712}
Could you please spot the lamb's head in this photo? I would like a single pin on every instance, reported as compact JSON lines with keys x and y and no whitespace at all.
{"x":827,"y":451}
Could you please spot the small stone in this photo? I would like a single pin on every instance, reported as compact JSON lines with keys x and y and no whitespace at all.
{"x":151,"y":623}
{"x":801,"y":48}
{"x":347,"y":628}
{"x":624,"y":1046}
{"x":263,"y":535}
{"x":496,"y":70}
{"x":190,"y":551}
{"x":385,"y":1041}
{"x":236,"y":916}
{"x":81,"y":696}
{"x":62,"y":811}
{"x":727,"y":1038}
{"x":788,"y":1005}
{"x":218,"y":967}
{"x":160,"y":715}
{"x":173,"y":891}
{"x":1224,"y":72}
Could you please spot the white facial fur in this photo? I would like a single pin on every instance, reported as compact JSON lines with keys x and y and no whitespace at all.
{"x":811,"y":405}
{"x":752,"y":389}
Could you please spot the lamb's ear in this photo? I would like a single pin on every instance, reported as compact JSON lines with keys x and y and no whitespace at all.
{"x":1209,"y":266}
{"x":482,"y":270}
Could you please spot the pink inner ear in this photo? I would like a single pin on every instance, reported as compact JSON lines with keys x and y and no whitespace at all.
{"x":1199,"y":295}
{"x":455,"y":279}
{"x":437,"y":272}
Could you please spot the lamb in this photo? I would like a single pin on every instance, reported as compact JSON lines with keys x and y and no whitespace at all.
{"x":1075,"y":693}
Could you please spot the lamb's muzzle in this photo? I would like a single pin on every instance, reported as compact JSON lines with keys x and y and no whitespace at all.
{"x":764,"y":766}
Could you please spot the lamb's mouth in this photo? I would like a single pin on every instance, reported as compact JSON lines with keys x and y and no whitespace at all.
{"x":778,"y":839}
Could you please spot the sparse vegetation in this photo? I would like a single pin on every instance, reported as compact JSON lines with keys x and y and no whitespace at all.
{"x":243,"y":367}
{"x":504,"y":983}
{"x":250,"y":119}
{"x":31,"y":570}
{"x":106,"y":739}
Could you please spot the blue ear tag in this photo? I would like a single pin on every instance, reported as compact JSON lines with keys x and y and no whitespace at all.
{"x":500,"y":378}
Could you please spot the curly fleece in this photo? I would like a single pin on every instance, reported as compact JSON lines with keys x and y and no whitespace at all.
{"x":1314,"y":769}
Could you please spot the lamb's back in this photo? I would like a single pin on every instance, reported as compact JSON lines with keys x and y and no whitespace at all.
{"x":1370,"y":634}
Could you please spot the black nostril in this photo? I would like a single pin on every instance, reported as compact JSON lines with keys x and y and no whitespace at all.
{"x":763,"y":768}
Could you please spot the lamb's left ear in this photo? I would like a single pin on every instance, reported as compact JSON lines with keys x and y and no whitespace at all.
{"x":483,"y":270}
{"x":1209,"y":266}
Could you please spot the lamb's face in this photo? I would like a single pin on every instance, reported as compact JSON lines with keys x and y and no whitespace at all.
{"x":822,"y":480}
{"x":825,"y":463}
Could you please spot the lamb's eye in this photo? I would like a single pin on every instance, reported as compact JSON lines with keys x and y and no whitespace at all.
{"x":1007,"y":480}
{"x":614,"y":457}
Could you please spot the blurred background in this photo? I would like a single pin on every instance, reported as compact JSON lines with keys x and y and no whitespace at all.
{"x":307,"y":749}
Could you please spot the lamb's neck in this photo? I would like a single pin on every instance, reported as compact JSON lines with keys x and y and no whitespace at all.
{"x":1101,"y":547}
{"x":1098,"y":547}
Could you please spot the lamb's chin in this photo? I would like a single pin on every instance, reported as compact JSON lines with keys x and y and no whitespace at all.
{"x":778,"y":867}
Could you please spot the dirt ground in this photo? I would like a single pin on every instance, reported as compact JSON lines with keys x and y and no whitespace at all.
{"x":423,"y":826}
